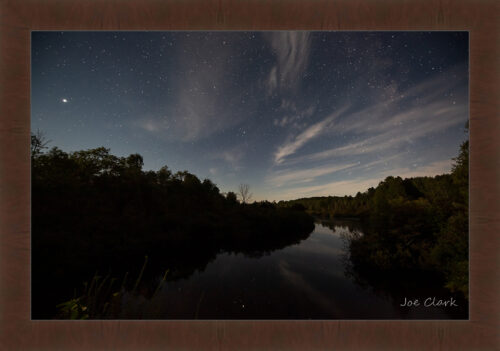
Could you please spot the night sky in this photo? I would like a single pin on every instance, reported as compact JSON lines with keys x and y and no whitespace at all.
{"x":292,"y":114}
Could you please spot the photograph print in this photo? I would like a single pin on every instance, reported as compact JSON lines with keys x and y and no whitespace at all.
{"x":231,"y":175}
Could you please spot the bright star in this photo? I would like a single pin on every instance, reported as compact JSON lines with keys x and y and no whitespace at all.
{"x":64,"y":100}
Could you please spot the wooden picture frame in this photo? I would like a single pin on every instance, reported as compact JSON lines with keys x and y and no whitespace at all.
{"x":19,"y":17}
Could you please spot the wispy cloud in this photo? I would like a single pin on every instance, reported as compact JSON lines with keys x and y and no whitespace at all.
{"x":287,"y":178}
{"x":153,"y":125}
{"x":422,"y":102}
{"x":293,"y":115}
{"x":297,"y":142}
{"x":301,"y":139}
{"x":272,"y":81}
{"x":388,"y":125}
{"x":422,"y":122}
{"x":382,"y":161}
{"x":292,"y":55}
{"x":232,"y":157}
{"x":202,"y":99}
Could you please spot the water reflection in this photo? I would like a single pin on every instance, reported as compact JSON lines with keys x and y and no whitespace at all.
{"x":308,"y":280}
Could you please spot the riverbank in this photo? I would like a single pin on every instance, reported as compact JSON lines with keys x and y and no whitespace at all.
{"x":95,"y":212}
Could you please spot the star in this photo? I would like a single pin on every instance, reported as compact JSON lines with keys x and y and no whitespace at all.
{"x":64,"y":100}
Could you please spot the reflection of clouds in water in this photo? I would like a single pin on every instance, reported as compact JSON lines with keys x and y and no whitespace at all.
{"x":321,"y":229}
{"x":298,"y":281}
{"x":341,"y":234}
{"x":324,"y":248}
{"x":318,"y":247}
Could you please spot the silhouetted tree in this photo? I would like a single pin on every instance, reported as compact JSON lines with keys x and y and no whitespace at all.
{"x":164,"y":175}
{"x":244,"y":192}
{"x":38,"y":143}
{"x":135,"y":162}
{"x":210,"y":186}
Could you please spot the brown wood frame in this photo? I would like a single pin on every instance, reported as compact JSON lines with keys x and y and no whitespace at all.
{"x":19,"y":17}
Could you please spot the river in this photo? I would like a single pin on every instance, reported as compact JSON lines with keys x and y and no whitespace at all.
{"x":308,"y":280}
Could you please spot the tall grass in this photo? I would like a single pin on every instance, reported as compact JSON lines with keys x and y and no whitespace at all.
{"x":99,"y":300}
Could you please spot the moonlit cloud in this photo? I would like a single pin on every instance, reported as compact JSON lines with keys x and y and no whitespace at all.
{"x":390,"y":139}
{"x":387,"y":125}
{"x":292,"y":55}
{"x":288,"y":177}
{"x":232,"y":158}
{"x":293,"y":116}
{"x":311,"y":132}
{"x":203,"y":100}
{"x":422,"y":102}
{"x":272,"y":81}
{"x":150,"y":126}
{"x":153,"y":125}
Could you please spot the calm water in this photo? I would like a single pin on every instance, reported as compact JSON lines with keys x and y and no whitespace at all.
{"x":309,"y":280}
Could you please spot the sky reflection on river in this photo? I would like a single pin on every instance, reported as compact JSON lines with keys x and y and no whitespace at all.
{"x":303,"y":281}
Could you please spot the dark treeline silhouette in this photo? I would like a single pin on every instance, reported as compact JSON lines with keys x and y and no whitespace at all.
{"x":416,"y":224}
{"x":95,"y":212}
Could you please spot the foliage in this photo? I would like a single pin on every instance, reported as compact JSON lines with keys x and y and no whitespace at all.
{"x":100,"y":301}
{"x":93,"y":211}
{"x":73,"y":309}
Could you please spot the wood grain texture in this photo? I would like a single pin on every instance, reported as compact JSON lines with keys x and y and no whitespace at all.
{"x":18,"y":18}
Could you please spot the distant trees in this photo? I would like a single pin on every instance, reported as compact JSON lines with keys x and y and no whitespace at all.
{"x":452,"y":248}
{"x":210,"y":186}
{"x":164,"y":175}
{"x":231,"y":197}
{"x":414,"y":224}
{"x":244,"y":192}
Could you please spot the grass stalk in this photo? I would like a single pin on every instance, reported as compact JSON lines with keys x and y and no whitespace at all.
{"x":160,"y":285}
{"x":140,"y":275}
